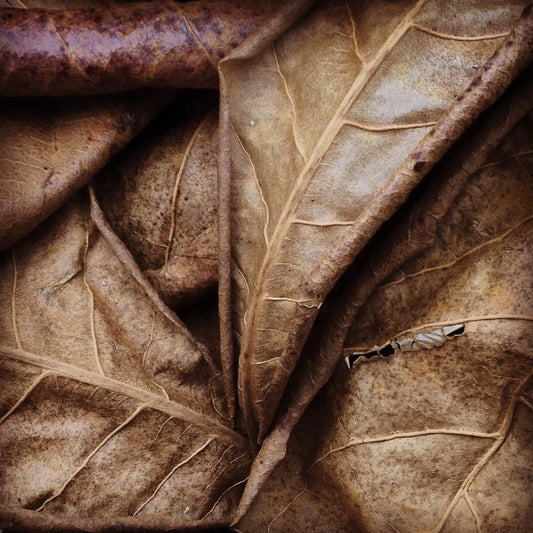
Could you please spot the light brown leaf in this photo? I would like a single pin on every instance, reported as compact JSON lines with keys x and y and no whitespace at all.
{"x":329,"y":129}
{"x":106,"y":405}
{"x":435,"y":437}
{"x":439,"y":438}
{"x":160,"y":197}
{"x":50,"y":149}
{"x":412,"y":233}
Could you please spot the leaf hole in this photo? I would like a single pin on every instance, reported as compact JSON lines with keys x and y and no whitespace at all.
{"x":427,"y":340}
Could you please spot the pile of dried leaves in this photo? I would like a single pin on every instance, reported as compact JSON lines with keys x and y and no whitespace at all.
{"x":184,"y":271}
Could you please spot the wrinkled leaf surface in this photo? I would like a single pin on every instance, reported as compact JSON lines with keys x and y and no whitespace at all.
{"x":321,"y":123}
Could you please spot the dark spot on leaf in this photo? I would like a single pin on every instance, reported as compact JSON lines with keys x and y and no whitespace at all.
{"x":36,"y":502}
{"x":419,"y":166}
{"x":91,"y":70}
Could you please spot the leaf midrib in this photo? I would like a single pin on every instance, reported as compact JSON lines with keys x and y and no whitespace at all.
{"x":144,"y":397}
{"x":302,"y":181}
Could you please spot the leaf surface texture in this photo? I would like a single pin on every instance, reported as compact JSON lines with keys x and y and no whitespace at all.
{"x":321,"y":123}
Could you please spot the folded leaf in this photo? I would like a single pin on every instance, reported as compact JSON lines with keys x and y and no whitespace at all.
{"x":119,"y":48}
{"x":291,"y":501}
{"x":329,"y":129}
{"x":435,"y":435}
{"x":52,"y":148}
{"x":106,"y":403}
{"x":160,"y":197}
{"x":440,"y":438}
{"x":412,"y":233}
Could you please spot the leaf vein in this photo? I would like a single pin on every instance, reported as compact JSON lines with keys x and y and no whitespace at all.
{"x":91,"y":455}
{"x":465,"y":38}
{"x":293,"y":106}
{"x":14,"y":300}
{"x":169,"y":475}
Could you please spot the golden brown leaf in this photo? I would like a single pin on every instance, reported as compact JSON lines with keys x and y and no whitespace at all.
{"x":439,"y":437}
{"x":106,"y":407}
{"x":402,"y":437}
{"x":329,"y":128}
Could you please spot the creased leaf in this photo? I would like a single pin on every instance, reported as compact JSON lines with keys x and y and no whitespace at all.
{"x":106,"y":403}
{"x":50,"y":149}
{"x":119,"y":47}
{"x":454,"y":451}
{"x":160,"y":197}
{"x":374,"y":193}
{"x":412,"y":233}
{"x":426,"y":439}
{"x":329,"y":129}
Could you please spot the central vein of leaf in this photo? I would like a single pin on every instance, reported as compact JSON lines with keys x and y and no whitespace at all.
{"x":301,"y":184}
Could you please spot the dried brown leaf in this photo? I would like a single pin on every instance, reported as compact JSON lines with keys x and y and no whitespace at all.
{"x":51,"y":149}
{"x":160,"y":197}
{"x":120,"y":47}
{"x":106,"y":405}
{"x":341,"y":100}
{"x":403,"y":439}
{"x":439,"y":438}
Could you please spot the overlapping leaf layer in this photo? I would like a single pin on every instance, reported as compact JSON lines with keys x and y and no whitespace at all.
{"x":360,"y":188}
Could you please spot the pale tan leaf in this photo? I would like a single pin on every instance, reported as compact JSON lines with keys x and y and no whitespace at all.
{"x":436,"y":438}
{"x":330,"y":128}
{"x":106,"y":406}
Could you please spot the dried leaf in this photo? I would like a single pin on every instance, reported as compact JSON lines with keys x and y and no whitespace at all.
{"x":399,"y":439}
{"x":440,"y":439}
{"x":412,"y":233}
{"x":330,"y":98}
{"x":375,"y":166}
{"x":105,"y":393}
{"x":50,"y":149}
{"x":160,"y":198}
{"x":119,"y":47}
